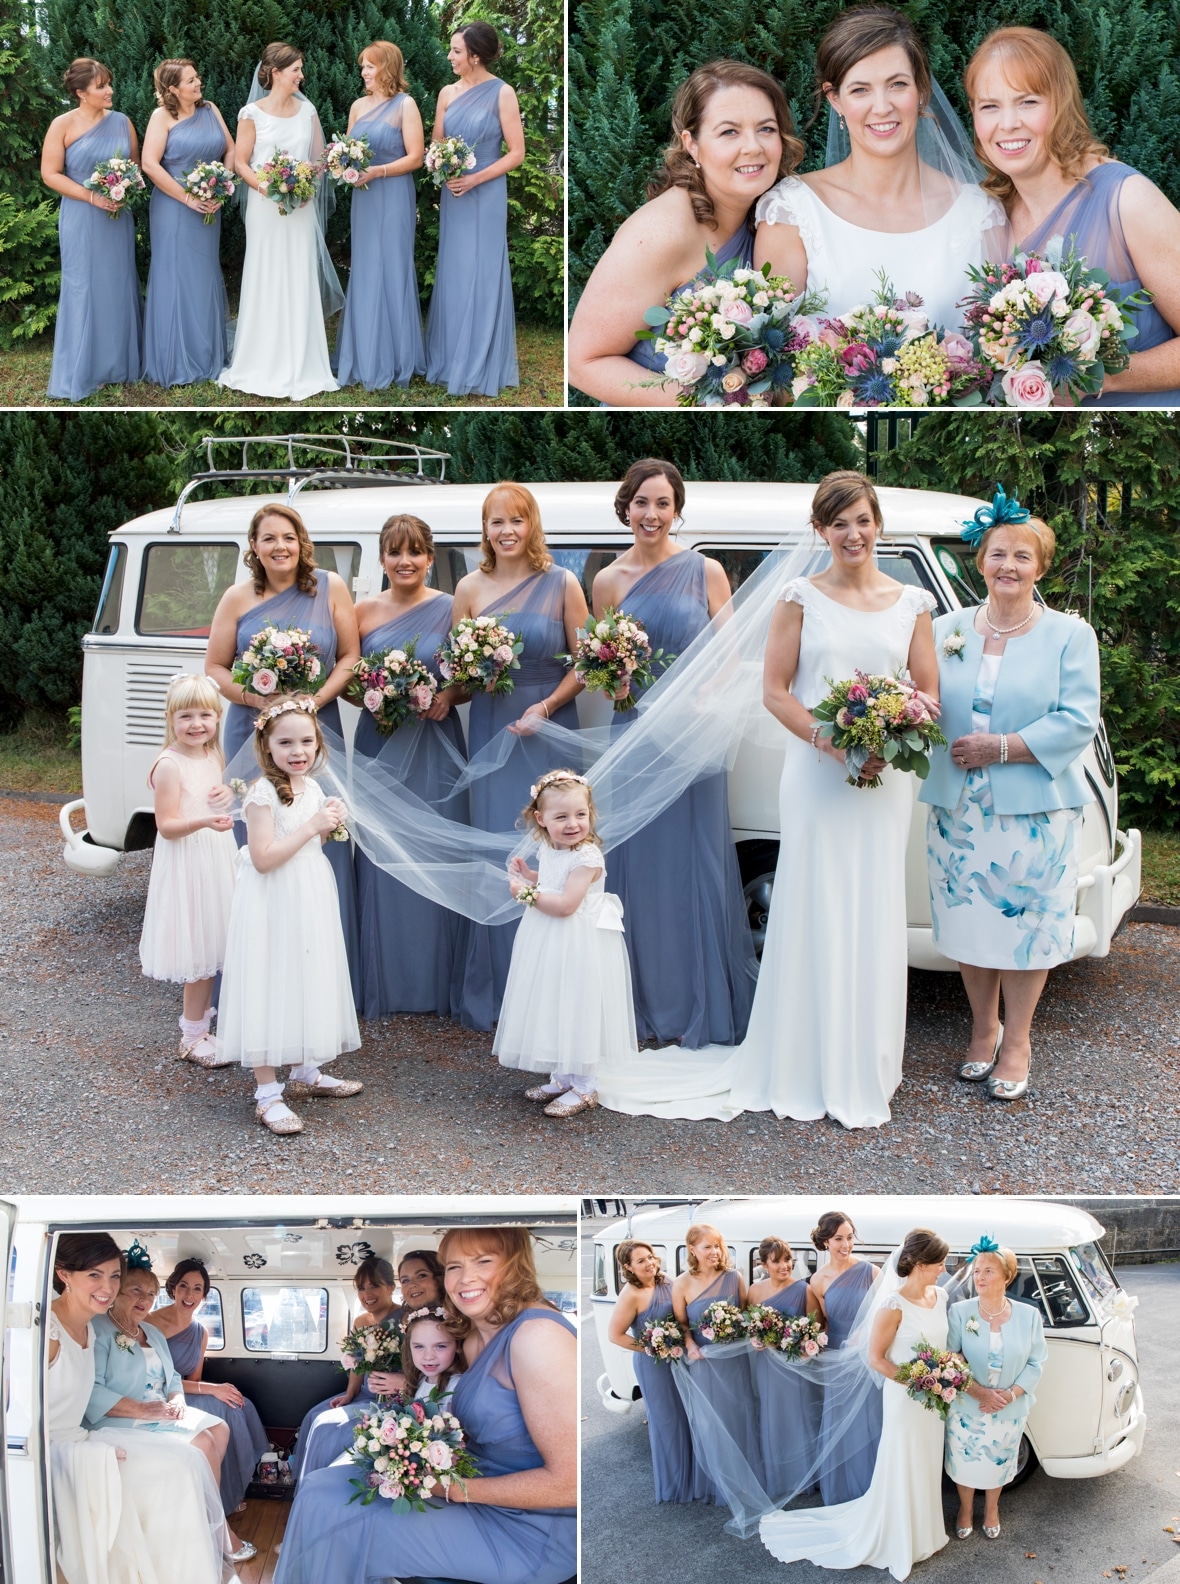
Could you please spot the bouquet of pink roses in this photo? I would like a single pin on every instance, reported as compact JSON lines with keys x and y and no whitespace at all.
{"x":479,"y":653}
{"x":409,"y":1453}
{"x":393,"y":687}
{"x":614,"y":653}
{"x":934,"y":1377}
{"x":118,"y":179}
{"x":664,"y":1340}
{"x":723,"y":1322}
{"x":794,"y":1336}
{"x":1048,"y":324}
{"x":288,"y":182}
{"x":346,"y":158}
{"x":448,"y":158}
{"x":279,"y":660}
{"x":879,"y":717}
{"x":211,"y":183}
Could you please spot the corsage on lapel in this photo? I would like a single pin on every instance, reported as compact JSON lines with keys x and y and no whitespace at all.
{"x":954,"y":643}
{"x":972,"y":1326}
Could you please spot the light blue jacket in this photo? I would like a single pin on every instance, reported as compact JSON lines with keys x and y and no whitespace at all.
{"x":1047,"y":690}
{"x":122,"y":1372}
{"x":1024,"y":1352}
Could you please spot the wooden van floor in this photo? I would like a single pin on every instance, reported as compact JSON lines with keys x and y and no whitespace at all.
{"x":264,"y":1522}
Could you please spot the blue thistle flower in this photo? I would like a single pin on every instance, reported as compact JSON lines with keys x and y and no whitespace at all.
{"x":1037,"y":331}
{"x":875,"y":390}
{"x":1061,"y":368}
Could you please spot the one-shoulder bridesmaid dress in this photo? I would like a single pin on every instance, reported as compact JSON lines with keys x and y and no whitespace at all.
{"x":847,"y":1473}
{"x":667,"y":1424}
{"x":727,"y":1385}
{"x":789,"y":1407}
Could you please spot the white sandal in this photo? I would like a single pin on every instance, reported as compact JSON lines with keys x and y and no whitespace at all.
{"x":288,"y":1122}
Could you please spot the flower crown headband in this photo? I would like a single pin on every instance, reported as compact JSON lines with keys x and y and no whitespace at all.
{"x":1002,"y":510}
{"x":551,"y":777}
{"x":284,"y":708}
{"x":424,"y":1314}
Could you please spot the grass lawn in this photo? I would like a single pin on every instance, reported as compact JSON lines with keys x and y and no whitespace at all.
{"x":1161,"y":868}
{"x":24,"y":376}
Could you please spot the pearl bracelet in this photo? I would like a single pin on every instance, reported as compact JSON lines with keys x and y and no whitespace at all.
{"x":1003,"y":748}
{"x":815,"y":731}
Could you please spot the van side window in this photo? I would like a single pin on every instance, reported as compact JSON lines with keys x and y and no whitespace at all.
{"x":600,"y":1289}
{"x":209,"y":1314}
{"x":1046,"y":1282}
{"x":907,"y":566}
{"x":738,"y":565}
{"x":342,"y":558}
{"x":110,"y":601}
{"x":278,"y":1319}
{"x":180,"y":586}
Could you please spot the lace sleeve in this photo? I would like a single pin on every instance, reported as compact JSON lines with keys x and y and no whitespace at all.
{"x":799,"y":592}
{"x":892,"y":1302}
{"x":919,"y":600}
{"x":262,"y":794}
{"x":790,"y":202}
{"x":588,"y":857}
{"x":249,"y":113}
{"x":54,"y":1328}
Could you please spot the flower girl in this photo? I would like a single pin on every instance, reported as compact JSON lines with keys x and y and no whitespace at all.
{"x":430,"y":1353}
{"x":567,"y":1003}
{"x":192,"y":881}
{"x":286,"y":998}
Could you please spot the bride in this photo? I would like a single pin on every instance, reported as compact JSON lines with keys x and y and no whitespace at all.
{"x":828,"y":1023}
{"x":288,"y":284}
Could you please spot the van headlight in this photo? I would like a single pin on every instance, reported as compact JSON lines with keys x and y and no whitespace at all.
{"x":1114,"y":1369}
{"x":1124,"y":1397}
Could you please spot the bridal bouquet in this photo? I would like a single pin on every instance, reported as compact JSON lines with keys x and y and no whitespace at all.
{"x":723,"y":1322}
{"x":346,"y":158}
{"x":409,"y":1452}
{"x":934,"y":1377}
{"x":449,"y":158}
{"x":794,"y":1336}
{"x":729,"y":339}
{"x":1049,"y":324}
{"x":288,"y":182}
{"x":879,"y":716}
{"x":614,"y":653}
{"x":372,"y":1348}
{"x":664,"y":1340}
{"x":211,"y":183}
{"x":393,"y":687}
{"x":118,"y":179}
{"x":279,"y":660}
{"x":479,"y":653}
{"x":885,"y":353}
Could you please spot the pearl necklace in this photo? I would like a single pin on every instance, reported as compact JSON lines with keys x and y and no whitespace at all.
{"x":134,"y":1335}
{"x":990,"y":1316}
{"x":1002,"y":632}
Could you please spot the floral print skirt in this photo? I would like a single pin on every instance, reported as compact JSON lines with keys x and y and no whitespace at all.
{"x":981,"y":1448}
{"x":1003,"y":887}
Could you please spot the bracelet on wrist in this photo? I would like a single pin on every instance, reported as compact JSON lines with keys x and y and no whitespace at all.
{"x":527,"y":895}
{"x":815,"y":731}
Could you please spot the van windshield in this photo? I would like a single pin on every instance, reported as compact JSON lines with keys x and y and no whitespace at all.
{"x":1097,"y":1277}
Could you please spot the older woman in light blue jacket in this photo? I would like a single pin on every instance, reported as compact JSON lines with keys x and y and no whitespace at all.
{"x":1019,"y":692}
{"x":1004,"y":1343}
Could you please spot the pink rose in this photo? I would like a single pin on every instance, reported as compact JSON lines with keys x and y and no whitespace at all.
{"x":389,"y":1433}
{"x":949,"y":1394}
{"x":957,"y":347}
{"x":502,"y":655}
{"x":374,"y":698}
{"x":421,"y":698}
{"x":1047,"y":284}
{"x":1027,"y":386}
{"x":439,"y":1455}
{"x":264,"y":682}
{"x":313,"y":668}
{"x":858,"y":358}
{"x":737,"y":311}
{"x":1082,"y":328}
{"x":350,"y":176}
{"x":810,"y":1348}
{"x":822,"y":1339}
{"x":755,"y":361}
{"x":686,"y":367}
{"x":804,"y":325}
{"x":846,"y":398}
{"x":915,"y":323}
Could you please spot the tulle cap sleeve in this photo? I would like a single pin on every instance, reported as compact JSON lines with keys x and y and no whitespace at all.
{"x":799,"y":591}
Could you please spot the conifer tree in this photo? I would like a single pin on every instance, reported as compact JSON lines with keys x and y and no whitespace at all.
{"x":29,"y":266}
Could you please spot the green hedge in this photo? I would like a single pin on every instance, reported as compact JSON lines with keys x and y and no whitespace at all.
{"x":29,"y":272}
{"x":627,"y":60}
{"x":225,"y":39}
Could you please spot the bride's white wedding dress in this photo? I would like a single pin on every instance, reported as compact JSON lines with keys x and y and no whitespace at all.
{"x":280,"y":346}
{"x":827,"y":1028}
{"x":899,"y":1520}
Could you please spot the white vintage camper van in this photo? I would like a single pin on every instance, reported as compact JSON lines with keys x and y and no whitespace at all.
{"x":1088,"y":1418}
{"x":167,"y":570}
{"x":281,"y":1299}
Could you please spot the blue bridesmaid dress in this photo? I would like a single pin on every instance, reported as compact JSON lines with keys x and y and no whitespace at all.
{"x":789,"y":1407}
{"x":325,"y":1432}
{"x":98,"y":336}
{"x":187,"y":308}
{"x":328,"y":1539}
{"x":741,"y":247}
{"x":412,"y":950}
{"x":667,"y":1424}
{"x":470,"y":326}
{"x":727,"y":1384}
{"x":310,"y":612}
{"x":688,"y":936}
{"x":247,"y":1438}
{"x":846,"y":1473}
{"x":534,"y":612}
{"x":380,"y":338}
{"x":1088,"y":216}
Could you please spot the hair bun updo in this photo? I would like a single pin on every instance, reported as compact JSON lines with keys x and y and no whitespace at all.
{"x":482,"y":41}
{"x":921,"y":1247}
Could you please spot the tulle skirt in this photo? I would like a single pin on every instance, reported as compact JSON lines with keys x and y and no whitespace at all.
{"x":188,"y":906}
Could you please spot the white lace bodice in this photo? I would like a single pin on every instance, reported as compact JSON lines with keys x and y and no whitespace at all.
{"x":556,"y":864}
{"x":71,"y":1380}
{"x":842,"y":258}
{"x":917,"y":1325}
{"x":295,"y":135}
{"x":288,"y":818}
{"x":837,"y":640}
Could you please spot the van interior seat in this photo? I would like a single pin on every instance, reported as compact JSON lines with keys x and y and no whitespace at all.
{"x":281,"y":1389}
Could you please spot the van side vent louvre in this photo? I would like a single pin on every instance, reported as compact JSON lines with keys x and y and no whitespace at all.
{"x":147,"y":687}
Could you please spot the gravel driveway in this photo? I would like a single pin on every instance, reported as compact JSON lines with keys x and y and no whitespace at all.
{"x":92,"y":1098}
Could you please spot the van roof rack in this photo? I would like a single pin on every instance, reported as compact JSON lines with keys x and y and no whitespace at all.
{"x":338,"y":461}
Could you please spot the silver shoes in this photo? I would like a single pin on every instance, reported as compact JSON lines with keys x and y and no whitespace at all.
{"x":992,"y":1534}
{"x":1008,"y":1089}
{"x":244,"y":1552}
{"x":976,"y":1072}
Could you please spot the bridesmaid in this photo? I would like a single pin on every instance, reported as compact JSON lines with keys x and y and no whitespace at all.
{"x":188,"y":1287}
{"x":725,"y":1382}
{"x":98,"y":338}
{"x":841,"y":1286}
{"x":1055,"y":179}
{"x":692,"y":958}
{"x":412,"y":950}
{"x":288,"y":589}
{"x":516,"y":1522}
{"x":470,"y":326}
{"x":732,"y":138}
{"x":789,"y":1401}
{"x":544,"y":605}
{"x":647,"y":1297}
{"x":380,"y":339}
{"x":187,"y":306}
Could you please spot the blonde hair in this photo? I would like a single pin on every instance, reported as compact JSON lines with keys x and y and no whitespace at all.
{"x":518,"y":1288}
{"x":191,"y":691}
{"x":305,"y":570}
{"x":525,"y":502}
{"x":264,"y":725}
{"x":697,"y":1233}
{"x":1034,"y":61}
{"x":390,"y":64}
{"x":166,"y":79}
{"x":1005,"y":1259}
{"x":557,"y":781}
{"x":1036,"y":530}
